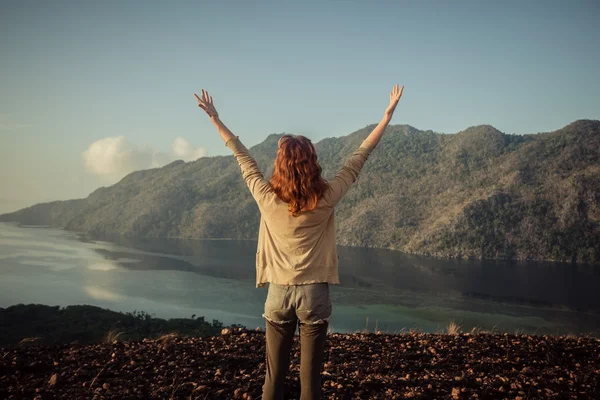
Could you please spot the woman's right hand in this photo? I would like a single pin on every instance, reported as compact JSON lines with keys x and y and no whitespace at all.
{"x":206,"y":103}
{"x":394,"y":97}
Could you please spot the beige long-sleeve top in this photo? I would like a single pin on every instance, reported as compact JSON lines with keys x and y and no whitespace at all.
{"x":302,"y":249}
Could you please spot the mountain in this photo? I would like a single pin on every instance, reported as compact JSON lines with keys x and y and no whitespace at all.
{"x":479,"y":193}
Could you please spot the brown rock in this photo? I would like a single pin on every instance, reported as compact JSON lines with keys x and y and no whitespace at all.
{"x":455,"y":393}
{"x":52,"y":380}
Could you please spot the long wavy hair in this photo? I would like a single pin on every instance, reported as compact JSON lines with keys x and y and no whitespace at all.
{"x":297,"y":177}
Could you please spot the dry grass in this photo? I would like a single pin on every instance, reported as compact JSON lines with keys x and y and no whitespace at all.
{"x":28,"y":341}
{"x":112,"y":336}
{"x":453,"y":328}
{"x":167,"y":340}
{"x":518,"y":332}
{"x":102,"y":370}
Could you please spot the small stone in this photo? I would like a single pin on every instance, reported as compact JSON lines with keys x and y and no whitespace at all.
{"x":455,"y":393}
{"x":225,"y":331}
{"x":52,"y":380}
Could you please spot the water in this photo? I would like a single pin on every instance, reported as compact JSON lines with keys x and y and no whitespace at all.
{"x":215,"y":279}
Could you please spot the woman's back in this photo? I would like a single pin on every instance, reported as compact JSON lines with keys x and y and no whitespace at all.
{"x":297,"y":248}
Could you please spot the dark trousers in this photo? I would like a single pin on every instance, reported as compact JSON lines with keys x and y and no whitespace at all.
{"x":308,"y":306}
{"x":280,"y":338}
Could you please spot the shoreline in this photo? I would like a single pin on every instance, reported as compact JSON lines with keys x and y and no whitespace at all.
{"x":92,"y":238}
{"x":88,"y":324}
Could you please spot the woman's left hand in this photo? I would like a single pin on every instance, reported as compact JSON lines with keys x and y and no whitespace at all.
{"x":394,"y":98}
{"x":206,"y":103}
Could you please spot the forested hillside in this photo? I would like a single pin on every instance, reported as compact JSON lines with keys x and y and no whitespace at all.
{"x":478,"y":193}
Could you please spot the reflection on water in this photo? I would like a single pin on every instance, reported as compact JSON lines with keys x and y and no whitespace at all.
{"x":215,"y":278}
{"x":102,"y":266}
{"x":101,"y":294}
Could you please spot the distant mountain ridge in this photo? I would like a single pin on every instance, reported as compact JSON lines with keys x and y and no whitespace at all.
{"x":479,"y":193}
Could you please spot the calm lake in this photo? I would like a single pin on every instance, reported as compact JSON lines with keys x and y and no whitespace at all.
{"x":216,"y":279}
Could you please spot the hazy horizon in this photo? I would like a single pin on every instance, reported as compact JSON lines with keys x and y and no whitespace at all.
{"x":93,"y":91}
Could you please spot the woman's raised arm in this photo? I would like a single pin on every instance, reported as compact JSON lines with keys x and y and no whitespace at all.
{"x":376,"y":134}
{"x":251,"y":174}
{"x":350,"y":170}
{"x":206,"y":103}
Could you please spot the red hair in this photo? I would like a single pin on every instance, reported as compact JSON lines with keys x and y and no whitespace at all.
{"x":297,"y":177}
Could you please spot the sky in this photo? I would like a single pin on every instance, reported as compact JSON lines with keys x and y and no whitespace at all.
{"x":90,"y":91}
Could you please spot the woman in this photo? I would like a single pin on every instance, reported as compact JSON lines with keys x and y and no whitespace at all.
{"x":296,"y":245}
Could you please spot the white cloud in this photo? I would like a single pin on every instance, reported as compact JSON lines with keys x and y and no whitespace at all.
{"x":182,"y":149}
{"x":115,"y":157}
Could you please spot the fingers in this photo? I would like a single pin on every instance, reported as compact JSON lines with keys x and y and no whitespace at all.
{"x":397,"y":92}
{"x":206,"y":98}
{"x":200,"y":102}
{"x":205,"y":102}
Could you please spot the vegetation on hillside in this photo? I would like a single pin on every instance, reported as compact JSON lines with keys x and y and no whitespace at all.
{"x":89,"y":324}
{"x":479,"y":193}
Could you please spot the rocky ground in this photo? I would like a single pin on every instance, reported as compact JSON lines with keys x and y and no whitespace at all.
{"x":357,"y":366}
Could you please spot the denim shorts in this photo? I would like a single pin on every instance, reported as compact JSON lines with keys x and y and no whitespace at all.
{"x":309,"y":303}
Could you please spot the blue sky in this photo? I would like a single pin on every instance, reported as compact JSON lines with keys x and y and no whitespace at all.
{"x":85,"y":85}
